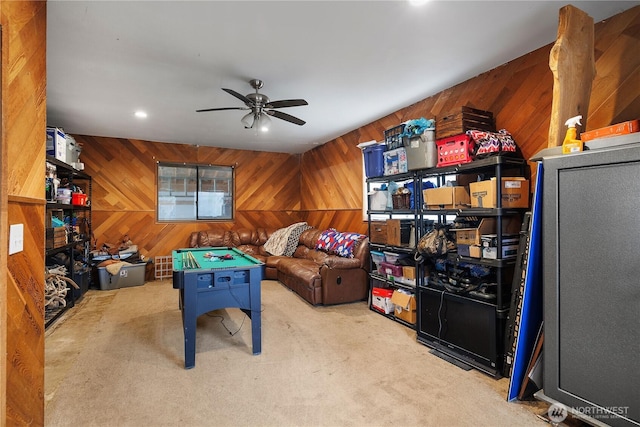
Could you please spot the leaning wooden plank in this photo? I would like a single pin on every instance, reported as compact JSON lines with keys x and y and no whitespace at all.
{"x":573,"y":66}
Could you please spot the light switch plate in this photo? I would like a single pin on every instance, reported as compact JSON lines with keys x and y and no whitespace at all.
{"x":16,"y":238}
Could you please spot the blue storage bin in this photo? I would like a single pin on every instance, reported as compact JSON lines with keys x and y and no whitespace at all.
{"x":425,"y":185}
{"x":373,"y":160}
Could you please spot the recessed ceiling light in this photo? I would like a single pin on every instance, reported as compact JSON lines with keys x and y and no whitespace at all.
{"x":417,"y":2}
{"x":141,"y":114}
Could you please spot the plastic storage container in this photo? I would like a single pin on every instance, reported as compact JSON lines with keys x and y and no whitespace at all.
{"x":394,"y":258}
{"x":387,"y":269}
{"x":373,"y":160}
{"x":377,"y":257}
{"x":422,"y":151}
{"x":81,"y":277}
{"x":129,"y":275}
{"x":79,"y":199}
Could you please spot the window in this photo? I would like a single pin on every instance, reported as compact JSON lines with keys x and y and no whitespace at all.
{"x":195,"y":192}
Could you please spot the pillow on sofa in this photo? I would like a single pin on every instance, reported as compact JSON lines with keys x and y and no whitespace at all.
{"x":326,"y":240}
{"x":277,"y":242}
{"x":344,"y":244}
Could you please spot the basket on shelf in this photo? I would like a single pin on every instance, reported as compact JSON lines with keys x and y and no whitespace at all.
{"x":401,"y":201}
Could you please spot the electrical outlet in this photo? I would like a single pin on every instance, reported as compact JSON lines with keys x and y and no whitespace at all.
{"x":16,"y":238}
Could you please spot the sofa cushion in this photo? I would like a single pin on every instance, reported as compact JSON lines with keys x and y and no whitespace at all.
{"x":341,"y":244}
{"x":213,"y":238}
{"x":326,"y":240}
{"x":344,"y":244}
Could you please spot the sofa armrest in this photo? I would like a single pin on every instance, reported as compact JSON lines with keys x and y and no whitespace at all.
{"x":340,"y":262}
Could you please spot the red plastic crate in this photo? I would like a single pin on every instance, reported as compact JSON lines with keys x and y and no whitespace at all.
{"x":455,"y":150}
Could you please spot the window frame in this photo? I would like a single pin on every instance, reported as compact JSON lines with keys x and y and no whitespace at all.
{"x":196,"y":171}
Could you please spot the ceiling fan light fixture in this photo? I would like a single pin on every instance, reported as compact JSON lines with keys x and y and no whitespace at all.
{"x":263,"y":122}
{"x":248,"y":120}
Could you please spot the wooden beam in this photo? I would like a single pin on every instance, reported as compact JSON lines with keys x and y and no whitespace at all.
{"x":573,"y":66}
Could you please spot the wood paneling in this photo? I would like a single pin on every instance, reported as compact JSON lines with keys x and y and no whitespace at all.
{"x":23,"y":154}
{"x":124,"y":190}
{"x":25,"y":318}
{"x":519,"y":94}
{"x":324,"y":186}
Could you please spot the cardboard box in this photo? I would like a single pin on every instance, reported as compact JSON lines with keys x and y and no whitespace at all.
{"x":515,"y":193}
{"x":475,"y":251}
{"x":395,"y":161}
{"x":491,"y":240}
{"x":57,"y":144}
{"x":129,"y":275}
{"x":618,"y":129}
{"x":381,"y":300}
{"x":378,"y":232}
{"x":404,"y":306}
{"x":446,"y":198}
{"x":409,"y":272}
{"x":393,"y":232}
{"x":473,"y":236}
{"x":510,"y":251}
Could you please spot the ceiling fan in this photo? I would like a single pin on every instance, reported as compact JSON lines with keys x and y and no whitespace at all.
{"x":261,"y":108}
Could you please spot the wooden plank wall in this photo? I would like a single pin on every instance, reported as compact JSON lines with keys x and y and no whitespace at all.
{"x":124,"y":190}
{"x":324,"y":186}
{"x":519,"y":94}
{"x":23,"y":154}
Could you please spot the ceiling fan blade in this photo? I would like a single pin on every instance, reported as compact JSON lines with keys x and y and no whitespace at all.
{"x":223,"y":108}
{"x":239,"y":96}
{"x":285,"y":116}
{"x":286,"y":103}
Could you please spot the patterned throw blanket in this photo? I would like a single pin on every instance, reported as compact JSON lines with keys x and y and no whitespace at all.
{"x":284,"y":241}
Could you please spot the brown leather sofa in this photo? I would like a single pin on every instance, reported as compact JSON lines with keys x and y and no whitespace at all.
{"x":317,"y":276}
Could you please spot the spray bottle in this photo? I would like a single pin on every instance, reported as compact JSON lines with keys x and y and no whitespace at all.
{"x":571,"y":143}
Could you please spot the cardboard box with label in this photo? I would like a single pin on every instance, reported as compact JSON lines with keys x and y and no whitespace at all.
{"x":508,"y":251}
{"x":473,"y":236}
{"x":381,"y":300}
{"x":57,"y":143}
{"x":404,"y":306}
{"x":515,"y":193}
{"x":446,"y":198}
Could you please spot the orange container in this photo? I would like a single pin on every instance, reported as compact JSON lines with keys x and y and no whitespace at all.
{"x":78,"y":199}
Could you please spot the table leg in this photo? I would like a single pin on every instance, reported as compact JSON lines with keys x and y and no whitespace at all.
{"x":189,"y":306}
{"x":256,"y":331}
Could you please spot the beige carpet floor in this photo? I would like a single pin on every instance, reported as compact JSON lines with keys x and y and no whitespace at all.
{"x":117,"y":359}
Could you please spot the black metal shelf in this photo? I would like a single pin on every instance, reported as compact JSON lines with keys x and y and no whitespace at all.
{"x":392,"y":283}
{"x":392,"y":212}
{"x":501,"y":262}
{"x":67,"y":207}
{"x":64,"y":170}
{"x":484,"y":212}
{"x":407,"y":176}
{"x":404,"y":249}
{"x":66,"y":247}
{"x":71,"y":171}
{"x":487,"y":164}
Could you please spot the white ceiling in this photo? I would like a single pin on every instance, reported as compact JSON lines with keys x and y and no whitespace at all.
{"x":353,"y":61}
